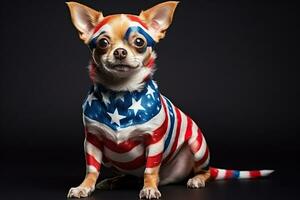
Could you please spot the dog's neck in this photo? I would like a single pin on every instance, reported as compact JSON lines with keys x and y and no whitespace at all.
{"x":136,"y":82}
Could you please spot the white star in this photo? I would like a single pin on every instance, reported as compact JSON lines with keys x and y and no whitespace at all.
{"x":90,"y":99}
{"x":136,"y":105}
{"x":120,"y":96}
{"x":116,"y":117}
{"x":105,"y":98}
{"x":150,"y":91}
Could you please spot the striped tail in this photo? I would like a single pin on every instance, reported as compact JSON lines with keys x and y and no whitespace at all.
{"x":221,"y":174}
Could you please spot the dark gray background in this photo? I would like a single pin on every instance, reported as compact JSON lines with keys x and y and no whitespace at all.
{"x":231,"y":65}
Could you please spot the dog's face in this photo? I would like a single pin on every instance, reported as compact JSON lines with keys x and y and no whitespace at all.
{"x":122,"y":44}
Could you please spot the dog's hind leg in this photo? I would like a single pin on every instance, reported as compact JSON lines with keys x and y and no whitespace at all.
{"x":199,"y":179}
{"x":200,"y":151}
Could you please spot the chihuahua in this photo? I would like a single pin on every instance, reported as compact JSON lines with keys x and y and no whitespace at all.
{"x":129,"y":125}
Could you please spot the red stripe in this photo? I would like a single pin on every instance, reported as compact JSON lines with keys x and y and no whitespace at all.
{"x":154,"y":161}
{"x":123,"y":147}
{"x":137,"y":19}
{"x":254,"y":174}
{"x":91,"y":138}
{"x":134,"y":164}
{"x":150,"y":62}
{"x":102,"y":23}
{"x":213,"y":172}
{"x":90,"y":160}
{"x":204,"y":158}
{"x":159,"y":132}
{"x":173,"y":149}
{"x":188,"y":132}
{"x":228,"y":174}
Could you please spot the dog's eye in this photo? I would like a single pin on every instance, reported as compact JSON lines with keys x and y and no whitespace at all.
{"x":139,"y":42}
{"x":103,"y":43}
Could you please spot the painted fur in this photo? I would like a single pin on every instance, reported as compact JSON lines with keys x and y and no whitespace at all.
{"x":129,"y":125}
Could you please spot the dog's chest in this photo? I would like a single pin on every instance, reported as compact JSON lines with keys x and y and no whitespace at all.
{"x":126,"y":123}
{"x":120,"y":115}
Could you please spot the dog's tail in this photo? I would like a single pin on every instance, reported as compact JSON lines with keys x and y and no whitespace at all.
{"x":221,"y":174}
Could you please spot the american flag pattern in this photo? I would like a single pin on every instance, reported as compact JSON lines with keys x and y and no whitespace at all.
{"x":135,"y":132}
{"x":220,"y":174}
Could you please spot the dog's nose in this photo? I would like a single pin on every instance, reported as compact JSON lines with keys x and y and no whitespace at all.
{"x":120,"y":53}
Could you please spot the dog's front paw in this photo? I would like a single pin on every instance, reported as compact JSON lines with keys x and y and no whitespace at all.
{"x":79,"y":192}
{"x":195,"y":182}
{"x":150,"y":193}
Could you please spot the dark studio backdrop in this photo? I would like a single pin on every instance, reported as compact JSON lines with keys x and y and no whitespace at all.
{"x":231,"y":65}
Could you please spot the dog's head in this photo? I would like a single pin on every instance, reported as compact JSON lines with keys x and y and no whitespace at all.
{"x":122,"y":44}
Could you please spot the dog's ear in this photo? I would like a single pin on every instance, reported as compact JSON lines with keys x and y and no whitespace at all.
{"x":159,"y":18}
{"x":84,"y":19}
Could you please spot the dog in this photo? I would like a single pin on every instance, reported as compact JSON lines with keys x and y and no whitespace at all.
{"x":129,"y":125}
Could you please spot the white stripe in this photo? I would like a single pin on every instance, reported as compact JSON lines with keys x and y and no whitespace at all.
{"x":91,"y":168}
{"x":157,"y":148}
{"x":182,"y":129}
{"x":124,"y":157}
{"x":244,"y":174}
{"x":200,"y":153}
{"x":93,"y":151}
{"x":149,"y":170}
{"x":194,"y":133}
{"x":106,"y":28}
{"x":266,"y":172}
{"x":221,"y":174}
